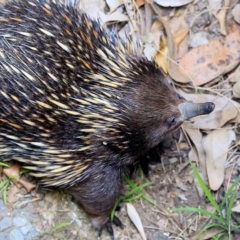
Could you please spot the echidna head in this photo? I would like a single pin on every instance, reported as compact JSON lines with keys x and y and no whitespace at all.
{"x":156,"y":109}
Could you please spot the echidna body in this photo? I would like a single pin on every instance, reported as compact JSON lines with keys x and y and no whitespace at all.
{"x":78,"y":107}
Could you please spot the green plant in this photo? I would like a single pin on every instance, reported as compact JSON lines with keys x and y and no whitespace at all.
{"x":222,"y":216}
{"x":4,"y":184}
{"x":52,"y":232}
{"x":136,"y":192}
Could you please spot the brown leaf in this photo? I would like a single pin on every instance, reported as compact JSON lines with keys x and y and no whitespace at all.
{"x":208,"y":234}
{"x":114,"y":4}
{"x":211,"y":60}
{"x":221,"y":17}
{"x":139,"y":3}
{"x":180,"y":35}
{"x":196,"y":138}
{"x":13,"y":194}
{"x":173,"y":67}
{"x":214,"y":6}
{"x":236,"y":13}
{"x":160,"y":58}
{"x":236,"y":87}
{"x":216,"y":148}
{"x":225,"y":110}
{"x":27,"y":184}
{"x":13,"y":173}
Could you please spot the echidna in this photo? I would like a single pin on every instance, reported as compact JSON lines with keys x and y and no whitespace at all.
{"x":78,"y":107}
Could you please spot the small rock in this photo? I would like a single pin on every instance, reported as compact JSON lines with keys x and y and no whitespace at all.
{"x":26,"y":229}
{"x":15,"y":234}
{"x":2,"y":204}
{"x":158,"y":236}
{"x":5,"y":223}
{"x":198,"y":39}
{"x":4,"y":236}
{"x":19,"y":221}
{"x":202,"y":5}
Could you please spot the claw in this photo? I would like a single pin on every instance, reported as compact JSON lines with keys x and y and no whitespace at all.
{"x":109,"y":228}
{"x":117,"y":222}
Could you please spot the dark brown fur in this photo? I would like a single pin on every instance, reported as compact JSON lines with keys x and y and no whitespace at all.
{"x":78,"y":106}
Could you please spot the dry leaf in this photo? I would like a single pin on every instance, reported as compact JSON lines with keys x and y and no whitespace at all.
{"x":235,"y":76}
{"x":114,"y":17}
{"x":173,"y":67}
{"x":27,"y":184}
{"x":133,"y":215}
{"x":180,"y":28}
{"x":214,"y":59}
{"x":149,"y":51}
{"x":172,"y":3}
{"x":236,"y":208}
{"x":160,"y":58}
{"x":216,"y":146}
{"x":214,"y":6}
{"x":156,"y":31}
{"x":13,"y":173}
{"x":94,"y":8}
{"x":139,"y":3}
{"x":180,"y":35}
{"x":196,"y":138}
{"x":13,"y":194}
{"x":208,"y":234}
{"x":221,"y":17}
{"x":236,"y":86}
{"x":198,"y":39}
{"x":236,"y":13}
{"x":225,"y":110}
{"x":236,"y":89}
{"x":114,"y":4}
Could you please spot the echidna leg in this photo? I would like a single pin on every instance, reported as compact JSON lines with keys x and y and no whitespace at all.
{"x":98,"y":194}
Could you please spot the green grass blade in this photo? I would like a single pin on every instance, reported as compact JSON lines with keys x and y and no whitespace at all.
{"x":5,"y":193}
{"x":149,"y":200}
{"x":131,"y":199}
{"x":229,"y":192}
{"x":206,"y":189}
{"x":211,"y":225}
{"x":200,"y":210}
{"x":4,"y":183}
{"x":2,"y":164}
{"x":119,"y":200}
{"x":59,"y":226}
{"x":229,"y":208}
{"x":140,"y":171}
{"x":24,"y":171}
{"x":219,"y":236}
{"x":135,"y":188}
{"x":235,"y":228}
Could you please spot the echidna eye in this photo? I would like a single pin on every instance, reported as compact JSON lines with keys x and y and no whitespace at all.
{"x":172,"y":121}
